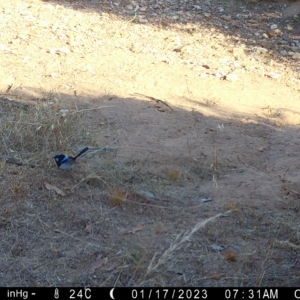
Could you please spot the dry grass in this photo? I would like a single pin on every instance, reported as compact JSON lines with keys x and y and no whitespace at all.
{"x":32,"y":134}
{"x":179,"y":241}
{"x":110,"y":223}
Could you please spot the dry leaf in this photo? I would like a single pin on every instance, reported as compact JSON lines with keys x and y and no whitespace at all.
{"x":230,"y":256}
{"x":159,"y":230}
{"x":173,"y":174}
{"x":136,"y":229}
{"x":98,"y":263}
{"x":50,"y":187}
{"x":89,"y":229}
{"x":111,"y":268}
{"x":117,"y":197}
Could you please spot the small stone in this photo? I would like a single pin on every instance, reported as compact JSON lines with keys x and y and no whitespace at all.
{"x":266,"y":44}
{"x":274,"y":26}
{"x":227,"y":18}
{"x":295,"y":49}
{"x":53,"y":51}
{"x":15,"y":41}
{"x":285,"y":38}
{"x":296,"y":56}
{"x":136,"y":49}
{"x":65,"y":50}
{"x":219,"y":75}
{"x":142,"y":19}
{"x":261,"y":50}
{"x":261,"y":149}
{"x":203,"y":75}
{"x":283,"y":52}
{"x":274,"y":75}
{"x":252,"y":21}
{"x":275,"y":32}
{"x":147,"y":194}
{"x":129,"y":7}
{"x":232,"y":77}
{"x":217,"y":247}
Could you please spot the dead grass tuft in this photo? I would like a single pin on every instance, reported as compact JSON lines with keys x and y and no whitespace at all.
{"x":230,"y":256}
{"x":32,"y":134}
{"x":174,"y":175}
{"x":117,"y":196}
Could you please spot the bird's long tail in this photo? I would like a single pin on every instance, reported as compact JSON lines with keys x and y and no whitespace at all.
{"x":81,"y":152}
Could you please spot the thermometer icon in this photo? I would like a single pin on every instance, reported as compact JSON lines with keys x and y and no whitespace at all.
{"x":56,"y":295}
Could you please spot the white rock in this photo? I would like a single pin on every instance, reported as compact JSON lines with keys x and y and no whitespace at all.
{"x":261,"y":50}
{"x":274,"y":75}
{"x":232,"y":77}
{"x":273,"y":26}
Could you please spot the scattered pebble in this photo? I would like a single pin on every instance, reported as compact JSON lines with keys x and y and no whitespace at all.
{"x":274,"y":75}
{"x":217,"y":247}
{"x":203,"y":200}
{"x":274,"y":26}
{"x":232,"y":77}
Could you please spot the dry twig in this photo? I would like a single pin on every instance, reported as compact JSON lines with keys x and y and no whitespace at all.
{"x":174,"y":246}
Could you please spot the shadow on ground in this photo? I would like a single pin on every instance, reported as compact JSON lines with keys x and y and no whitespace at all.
{"x":132,"y":217}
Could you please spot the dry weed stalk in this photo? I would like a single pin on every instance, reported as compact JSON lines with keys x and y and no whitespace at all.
{"x":92,"y":176}
{"x":215,"y":168}
{"x":287,"y":244}
{"x":185,"y":238}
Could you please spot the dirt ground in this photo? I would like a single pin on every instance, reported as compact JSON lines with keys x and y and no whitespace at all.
{"x":200,"y":99}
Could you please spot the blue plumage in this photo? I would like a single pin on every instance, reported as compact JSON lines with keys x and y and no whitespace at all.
{"x":66,"y":162}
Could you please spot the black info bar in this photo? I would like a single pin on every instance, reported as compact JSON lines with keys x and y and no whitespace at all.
{"x":119,"y":293}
